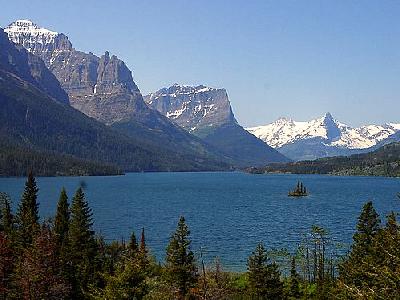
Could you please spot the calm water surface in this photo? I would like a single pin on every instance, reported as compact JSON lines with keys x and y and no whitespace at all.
{"x":228,"y":213}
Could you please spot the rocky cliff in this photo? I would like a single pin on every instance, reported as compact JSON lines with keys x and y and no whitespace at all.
{"x":206,"y":112}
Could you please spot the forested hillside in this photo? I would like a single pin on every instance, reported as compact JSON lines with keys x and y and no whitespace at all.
{"x":382,"y":162}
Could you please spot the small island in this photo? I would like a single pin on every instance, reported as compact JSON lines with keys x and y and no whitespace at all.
{"x":299,"y":191}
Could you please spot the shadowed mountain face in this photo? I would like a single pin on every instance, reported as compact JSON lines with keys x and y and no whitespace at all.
{"x":30,"y":68}
{"x":35,"y":123}
{"x":207,"y":113}
{"x":103,"y":88}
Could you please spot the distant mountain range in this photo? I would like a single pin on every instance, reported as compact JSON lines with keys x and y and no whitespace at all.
{"x":206,"y":112}
{"x":323,"y":137}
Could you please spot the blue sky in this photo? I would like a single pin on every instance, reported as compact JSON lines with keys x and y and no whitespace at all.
{"x":298,"y":59}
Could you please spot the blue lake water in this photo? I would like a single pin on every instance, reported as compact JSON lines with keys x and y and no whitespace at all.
{"x":227,"y":213}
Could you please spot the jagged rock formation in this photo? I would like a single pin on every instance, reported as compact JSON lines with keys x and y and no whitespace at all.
{"x":59,"y":137}
{"x":207,"y":113}
{"x":197,"y":109}
{"x":322,"y":137}
{"x":103,"y":88}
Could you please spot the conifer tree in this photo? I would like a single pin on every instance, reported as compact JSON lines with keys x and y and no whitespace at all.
{"x":61,"y":220}
{"x":6,"y":217}
{"x":264,"y":278}
{"x":142,"y":242}
{"x":38,"y":273}
{"x":180,"y":262}
{"x":367,"y":226}
{"x":133,"y":246}
{"x":294,"y":290}
{"x":28,"y":213}
{"x":82,"y":244}
{"x":354,"y":271}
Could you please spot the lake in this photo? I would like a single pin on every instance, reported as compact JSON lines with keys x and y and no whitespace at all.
{"x":227,"y":213}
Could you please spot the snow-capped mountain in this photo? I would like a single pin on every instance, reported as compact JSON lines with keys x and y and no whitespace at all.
{"x":325,"y":135}
{"x":103,"y":88}
{"x":206,"y":112}
{"x":36,"y":39}
{"x":193,"y":107}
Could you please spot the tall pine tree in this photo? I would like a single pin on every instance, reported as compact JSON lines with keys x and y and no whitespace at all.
{"x":355,"y":275}
{"x":133,"y":246}
{"x":6,"y":217}
{"x":294,"y":284}
{"x":180,"y":262}
{"x":264,"y":277}
{"x":82,"y":244}
{"x":61,"y":221}
{"x":28,"y":213}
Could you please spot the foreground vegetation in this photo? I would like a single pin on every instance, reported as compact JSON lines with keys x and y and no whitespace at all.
{"x":383,"y":162}
{"x":62,"y":258}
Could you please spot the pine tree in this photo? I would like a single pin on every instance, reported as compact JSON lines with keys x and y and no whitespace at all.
{"x":367,"y":226}
{"x":294,"y":290}
{"x":143,"y":248}
{"x":264,"y":278}
{"x":133,"y":246}
{"x":82,"y":244}
{"x":61,"y":221}
{"x":28,"y":213}
{"x":355,"y":273}
{"x":6,"y":217}
{"x":38,"y":274}
{"x":180,"y":262}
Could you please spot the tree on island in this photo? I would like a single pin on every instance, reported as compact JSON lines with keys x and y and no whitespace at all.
{"x":299,"y":191}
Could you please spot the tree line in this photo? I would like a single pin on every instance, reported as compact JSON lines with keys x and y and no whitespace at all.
{"x":63,"y":258}
{"x":384,"y":161}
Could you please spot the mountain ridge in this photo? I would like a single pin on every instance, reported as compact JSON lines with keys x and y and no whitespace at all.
{"x":35,"y":124}
{"x":207,"y":113}
{"x":103,"y":88}
{"x":321,"y":137}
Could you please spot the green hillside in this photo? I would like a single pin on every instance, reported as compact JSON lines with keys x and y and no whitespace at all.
{"x":384,"y":161}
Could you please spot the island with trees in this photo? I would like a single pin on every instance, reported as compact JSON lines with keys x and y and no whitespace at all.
{"x":299,"y":191}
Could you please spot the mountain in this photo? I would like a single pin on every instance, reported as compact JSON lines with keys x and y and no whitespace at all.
{"x":103,"y":88}
{"x":35,"y":124}
{"x":29,"y":68}
{"x":206,"y":112}
{"x":321,"y":137}
{"x":385,"y":161}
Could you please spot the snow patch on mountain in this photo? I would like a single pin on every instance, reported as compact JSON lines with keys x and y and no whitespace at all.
{"x":333,"y":133}
{"x":27,"y":32}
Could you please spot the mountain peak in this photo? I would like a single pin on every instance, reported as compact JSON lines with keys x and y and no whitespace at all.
{"x":27,"y":26}
{"x":36,"y":39}
{"x":326,"y":129}
{"x":193,"y":107}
